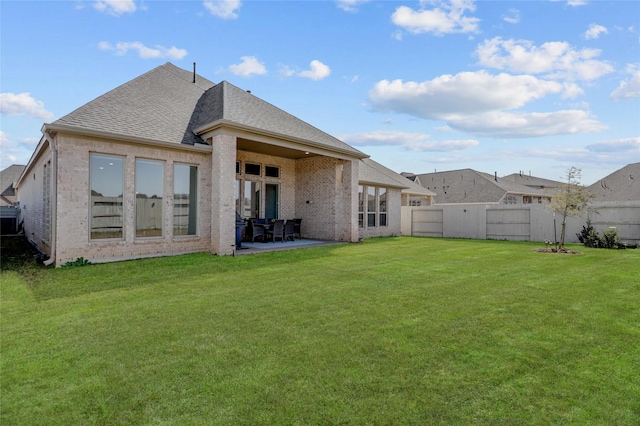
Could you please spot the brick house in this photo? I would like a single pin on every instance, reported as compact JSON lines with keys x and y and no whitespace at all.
{"x":161,"y":165}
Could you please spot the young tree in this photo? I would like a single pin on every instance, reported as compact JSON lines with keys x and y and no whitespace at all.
{"x":571,"y":199}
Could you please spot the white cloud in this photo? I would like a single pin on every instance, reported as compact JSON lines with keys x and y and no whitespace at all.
{"x":445,"y":18}
{"x":249,"y":66}
{"x":576,"y":3}
{"x":526,"y":125}
{"x":417,"y":142}
{"x":553,"y":59}
{"x":628,"y":89}
{"x":115,"y":7}
{"x":225,"y":9}
{"x":477,"y":102}
{"x":463,"y":93}
{"x":317,"y":71}
{"x":12,"y":104}
{"x":12,"y":153}
{"x":156,"y":52}
{"x":625,"y":145}
{"x":512,"y":16}
{"x":594,"y":31}
{"x":350,"y":5}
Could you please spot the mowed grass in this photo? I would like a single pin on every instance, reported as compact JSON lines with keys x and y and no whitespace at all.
{"x":391,"y":331}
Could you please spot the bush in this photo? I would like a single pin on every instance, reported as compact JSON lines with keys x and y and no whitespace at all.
{"x":608,"y":239}
{"x":81,"y":261}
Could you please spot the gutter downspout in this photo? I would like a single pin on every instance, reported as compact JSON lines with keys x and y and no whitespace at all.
{"x":53,"y":196}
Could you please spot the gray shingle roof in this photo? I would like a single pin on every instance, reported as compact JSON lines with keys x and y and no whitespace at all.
{"x":471,"y":186}
{"x":8,"y":177}
{"x":532,"y":181}
{"x":621,"y":185}
{"x":165,"y":105}
{"x":375,"y":173}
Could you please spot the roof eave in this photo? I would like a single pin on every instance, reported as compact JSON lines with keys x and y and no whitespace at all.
{"x":305,"y":142}
{"x":124,"y":138}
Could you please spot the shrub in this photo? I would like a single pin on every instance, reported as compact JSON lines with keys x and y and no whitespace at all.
{"x":592,"y":238}
{"x":81,"y":261}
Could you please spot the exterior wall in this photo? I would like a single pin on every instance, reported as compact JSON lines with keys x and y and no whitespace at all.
{"x":33,"y":202}
{"x":325,"y":198}
{"x":394,"y":218}
{"x":73,"y":219}
{"x":529,"y":222}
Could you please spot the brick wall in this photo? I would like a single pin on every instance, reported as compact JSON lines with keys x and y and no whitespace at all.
{"x":73,"y":207}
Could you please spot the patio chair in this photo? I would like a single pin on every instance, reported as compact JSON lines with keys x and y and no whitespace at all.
{"x":276,"y":231}
{"x":289,"y":230}
{"x":255,"y":230}
{"x":298,"y":225}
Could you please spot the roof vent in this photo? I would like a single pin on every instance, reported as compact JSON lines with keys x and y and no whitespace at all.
{"x":194,"y":73}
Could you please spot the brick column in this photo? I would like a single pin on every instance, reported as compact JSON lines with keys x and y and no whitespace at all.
{"x":349,"y":192}
{"x":223,"y":176}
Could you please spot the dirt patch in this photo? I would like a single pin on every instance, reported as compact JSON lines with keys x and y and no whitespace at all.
{"x":554,"y":250}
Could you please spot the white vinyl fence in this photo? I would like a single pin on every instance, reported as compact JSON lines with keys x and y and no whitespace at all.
{"x":527,"y":222}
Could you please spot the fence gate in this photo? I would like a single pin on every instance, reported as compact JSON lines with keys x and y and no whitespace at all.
{"x":427,"y":223}
{"x":509,"y":224}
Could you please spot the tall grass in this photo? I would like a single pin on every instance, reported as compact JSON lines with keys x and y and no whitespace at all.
{"x":391,"y":331}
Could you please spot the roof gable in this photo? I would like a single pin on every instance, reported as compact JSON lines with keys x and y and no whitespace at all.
{"x":165,"y":105}
{"x":228,"y":103}
{"x":621,"y":185}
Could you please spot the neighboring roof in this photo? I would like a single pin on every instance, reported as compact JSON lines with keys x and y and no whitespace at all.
{"x":165,"y":105}
{"x":8,"y":177}
{"x":532,"y":181}
{"x":471,"y":186}
{"x":621,"y":185}
{"x":372,"y":172}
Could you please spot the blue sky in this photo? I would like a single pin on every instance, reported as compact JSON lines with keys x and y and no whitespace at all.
{"x":497,"y":86}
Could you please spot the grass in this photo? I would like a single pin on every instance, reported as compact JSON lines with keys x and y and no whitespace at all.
{"x":390,"y":331}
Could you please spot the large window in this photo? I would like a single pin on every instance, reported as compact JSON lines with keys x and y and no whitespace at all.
{"x":371,"y":206}
{"x":185,"y":199}
{"x":382,"y":207}
{"x":149,"y":194}
{"x":251,"y":205}
{"x":107,"y":188}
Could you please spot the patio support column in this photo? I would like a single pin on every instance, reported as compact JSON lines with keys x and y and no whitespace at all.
{"x":350,"y":181}
{"x":223,"y":175}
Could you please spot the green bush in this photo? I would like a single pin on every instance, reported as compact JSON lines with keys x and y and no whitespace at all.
{"x":592,"y":238}
{"x":81,"y":261}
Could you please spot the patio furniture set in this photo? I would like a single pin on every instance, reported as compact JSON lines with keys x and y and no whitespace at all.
{"x":271,"y":230}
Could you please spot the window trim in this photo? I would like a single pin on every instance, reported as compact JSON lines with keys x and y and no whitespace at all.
{"x":122,"y":158}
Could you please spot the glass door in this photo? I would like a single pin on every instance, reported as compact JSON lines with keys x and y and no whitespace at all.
{"x":271,"y":201}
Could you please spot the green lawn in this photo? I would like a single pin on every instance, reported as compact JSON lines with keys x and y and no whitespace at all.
{"x":391,"y":331}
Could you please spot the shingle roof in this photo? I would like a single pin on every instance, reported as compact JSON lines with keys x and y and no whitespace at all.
{"x":532,"y":181}
{"x":165,"y":105}
{"x":8,"y":177}
{"x":621,"y":185}
{"x":471,"y":186}
{"x":375,"y":173}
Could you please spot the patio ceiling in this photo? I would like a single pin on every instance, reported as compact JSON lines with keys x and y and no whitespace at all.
{"x":269,"y":149}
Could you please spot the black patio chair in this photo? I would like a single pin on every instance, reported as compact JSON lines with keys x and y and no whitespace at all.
{"x":298,"y":225}
{"x":276,"y":231}
{"x":255,"y":230}
{"x":289,"y":230}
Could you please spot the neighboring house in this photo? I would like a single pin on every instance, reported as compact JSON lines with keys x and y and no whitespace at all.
{"x":8,"y":179}
{"x":8,"y":199}
{"x":467,"y":186}
{"x":162,"y":164}
{"x":621,"y":185}
{"x":381,"y":189}
{"x":532,"y":181}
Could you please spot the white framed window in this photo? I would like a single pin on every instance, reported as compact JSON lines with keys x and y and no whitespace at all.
{"x":149,"y":198}
{"x":185,"y":199}
{"x":106,"y":197}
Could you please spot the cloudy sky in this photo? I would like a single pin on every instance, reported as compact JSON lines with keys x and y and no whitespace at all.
{"x":497,"y":86}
